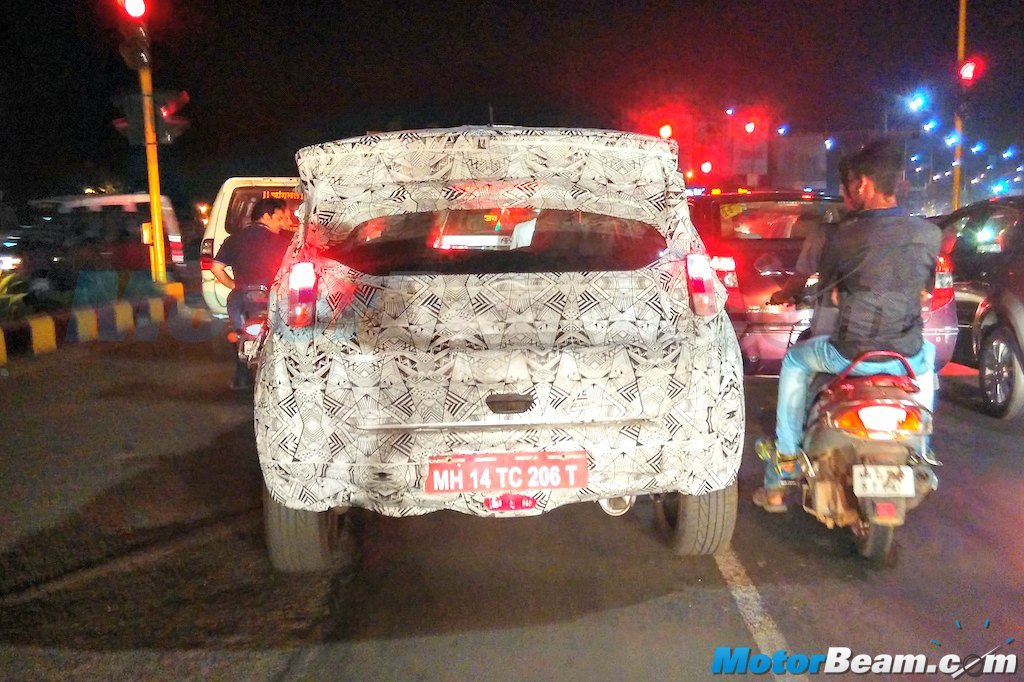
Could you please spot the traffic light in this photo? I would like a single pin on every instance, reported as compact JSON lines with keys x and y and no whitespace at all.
{"x":132,"y":24}
{"x":969,"y":71}
{"x":134,"y":10}
{"x":168,"y":122}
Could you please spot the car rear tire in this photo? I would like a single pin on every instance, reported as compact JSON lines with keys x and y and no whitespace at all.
{"x":696,"y":525}
{"x":300,"y":541}
{"x":1000,"y":374}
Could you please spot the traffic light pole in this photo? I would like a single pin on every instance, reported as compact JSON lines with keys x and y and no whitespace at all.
{"x":958,"y":121}
{"x":157,"y":258}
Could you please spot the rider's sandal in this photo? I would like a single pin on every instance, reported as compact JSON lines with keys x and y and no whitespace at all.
{"x":761,"y":500}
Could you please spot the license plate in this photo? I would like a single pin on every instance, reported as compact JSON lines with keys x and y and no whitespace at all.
{"x":883,"y":480}
{"x":506,"y":471}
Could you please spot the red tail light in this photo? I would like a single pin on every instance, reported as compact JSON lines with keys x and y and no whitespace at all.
{"x":700,"y":279}
{"x":206,"y":254}
{"x":883,"y":422}
{"x":943,"y":292}
{"x":725,"y":266}
{"x":254,"y":327}
{"x":301,"y":294}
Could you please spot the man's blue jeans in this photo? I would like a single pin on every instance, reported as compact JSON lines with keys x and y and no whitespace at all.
{"x":815,"y":355}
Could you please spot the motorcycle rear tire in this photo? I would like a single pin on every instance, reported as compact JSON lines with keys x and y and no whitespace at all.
{"x":875,"y":542}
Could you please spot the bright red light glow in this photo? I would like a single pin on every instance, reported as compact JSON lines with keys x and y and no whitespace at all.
{"x":705,"y":167}
{"x":136,"y":9}
{"x":969,"y":71}
{"x":665,"y":131}
{"x":749,"y":127}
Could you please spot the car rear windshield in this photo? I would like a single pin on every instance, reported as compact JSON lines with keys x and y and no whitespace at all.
{"x":498,"y":240}
{"x":776,"y":219}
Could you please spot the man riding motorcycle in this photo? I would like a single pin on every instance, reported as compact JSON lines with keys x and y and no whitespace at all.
{"x":255,"y":256}
{"x":878,"y":262}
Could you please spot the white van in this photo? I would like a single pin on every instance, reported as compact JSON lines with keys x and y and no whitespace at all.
{"x":232,"y":211}
{"x":95,"y":232}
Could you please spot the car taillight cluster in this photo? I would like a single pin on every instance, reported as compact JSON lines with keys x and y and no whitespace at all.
{"x":700,"y":279}
{"x":943,"y":292}
{"x":883,"y":422}
{"x":725,"y":266}
{"x":301,"y":294}
{"x":206,"y":254}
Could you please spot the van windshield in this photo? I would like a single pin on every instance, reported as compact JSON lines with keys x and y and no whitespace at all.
{"x":498,"y":240}
{"x":239,"y":213}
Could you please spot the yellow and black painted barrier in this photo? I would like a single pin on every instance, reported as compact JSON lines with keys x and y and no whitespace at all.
{"x":45,"y":333}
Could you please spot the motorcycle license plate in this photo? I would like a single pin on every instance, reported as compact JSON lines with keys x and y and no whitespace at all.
{"x":883,"y":480}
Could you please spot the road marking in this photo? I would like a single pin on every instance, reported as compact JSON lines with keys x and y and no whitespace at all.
{"x":764,"y":630}
{"x":136,"y":559}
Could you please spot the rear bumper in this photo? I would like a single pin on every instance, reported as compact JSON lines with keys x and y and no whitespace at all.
{"x":318,"y":451}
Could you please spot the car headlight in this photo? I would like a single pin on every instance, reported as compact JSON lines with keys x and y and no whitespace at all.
{"x":9,"y":263}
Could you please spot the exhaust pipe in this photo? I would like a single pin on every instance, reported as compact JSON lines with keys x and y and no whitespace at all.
{"x":617,"y":506}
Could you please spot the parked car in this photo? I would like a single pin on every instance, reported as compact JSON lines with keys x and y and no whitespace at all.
{"x":996,"y":334}
{"x":754,"y":239}
{"x":232,"y":211}
{"x":983,"y":240}
{"x":497,"y":321}
{"x":70,"y":235}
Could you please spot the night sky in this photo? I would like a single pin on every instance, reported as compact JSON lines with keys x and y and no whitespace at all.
{"x":268,"y":77}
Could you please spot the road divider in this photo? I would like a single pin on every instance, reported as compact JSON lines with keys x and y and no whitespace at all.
{"x":45,"y":333}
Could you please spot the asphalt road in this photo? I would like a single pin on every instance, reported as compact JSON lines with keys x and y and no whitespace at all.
{"x":131,"y":548}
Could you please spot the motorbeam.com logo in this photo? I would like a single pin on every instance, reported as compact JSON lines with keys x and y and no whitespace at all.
{"x":841,"y":660}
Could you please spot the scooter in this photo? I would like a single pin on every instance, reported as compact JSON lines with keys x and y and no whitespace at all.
{"x":249,"y":338}
{"x":865,"y":463}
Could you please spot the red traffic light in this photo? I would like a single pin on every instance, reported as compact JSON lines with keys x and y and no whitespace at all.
{"x":969,"y":71}
{"x":136,"y":9}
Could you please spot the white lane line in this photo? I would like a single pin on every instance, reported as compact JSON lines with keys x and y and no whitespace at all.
{"x":764,"y":630}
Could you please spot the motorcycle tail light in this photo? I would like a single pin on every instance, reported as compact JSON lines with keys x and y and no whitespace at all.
{"x":883,"y":422}
{"x":301,"y":294}
{"x":700,"y":278}
{"x":254,"y":327}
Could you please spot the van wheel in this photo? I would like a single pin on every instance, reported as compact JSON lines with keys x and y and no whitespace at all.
{"x":1000,"y":374}
{"x":696,"y":525}
{"x":300,"y":541}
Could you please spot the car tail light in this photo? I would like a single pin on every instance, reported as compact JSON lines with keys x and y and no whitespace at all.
{"x":700,"y":279}
{"x":883,"y":422}
{"x":301,"y":294}
{"x":725,"y":266}
{"x":206,"y":254}
{"x":177,"y":252}
{"x":943,"y":292}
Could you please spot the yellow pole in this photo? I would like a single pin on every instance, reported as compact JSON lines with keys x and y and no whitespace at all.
{"x":958,"y":122}
{"x":157,"y":262}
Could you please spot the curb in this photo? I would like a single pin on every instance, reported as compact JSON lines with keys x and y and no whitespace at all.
{"x":39,"y":334}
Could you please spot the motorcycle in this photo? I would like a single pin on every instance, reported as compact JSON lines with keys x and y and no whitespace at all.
{"x":865,"y":463}
{"x":249,"y":337}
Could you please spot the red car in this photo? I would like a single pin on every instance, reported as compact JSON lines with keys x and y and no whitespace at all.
{"x":754,"y":239}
